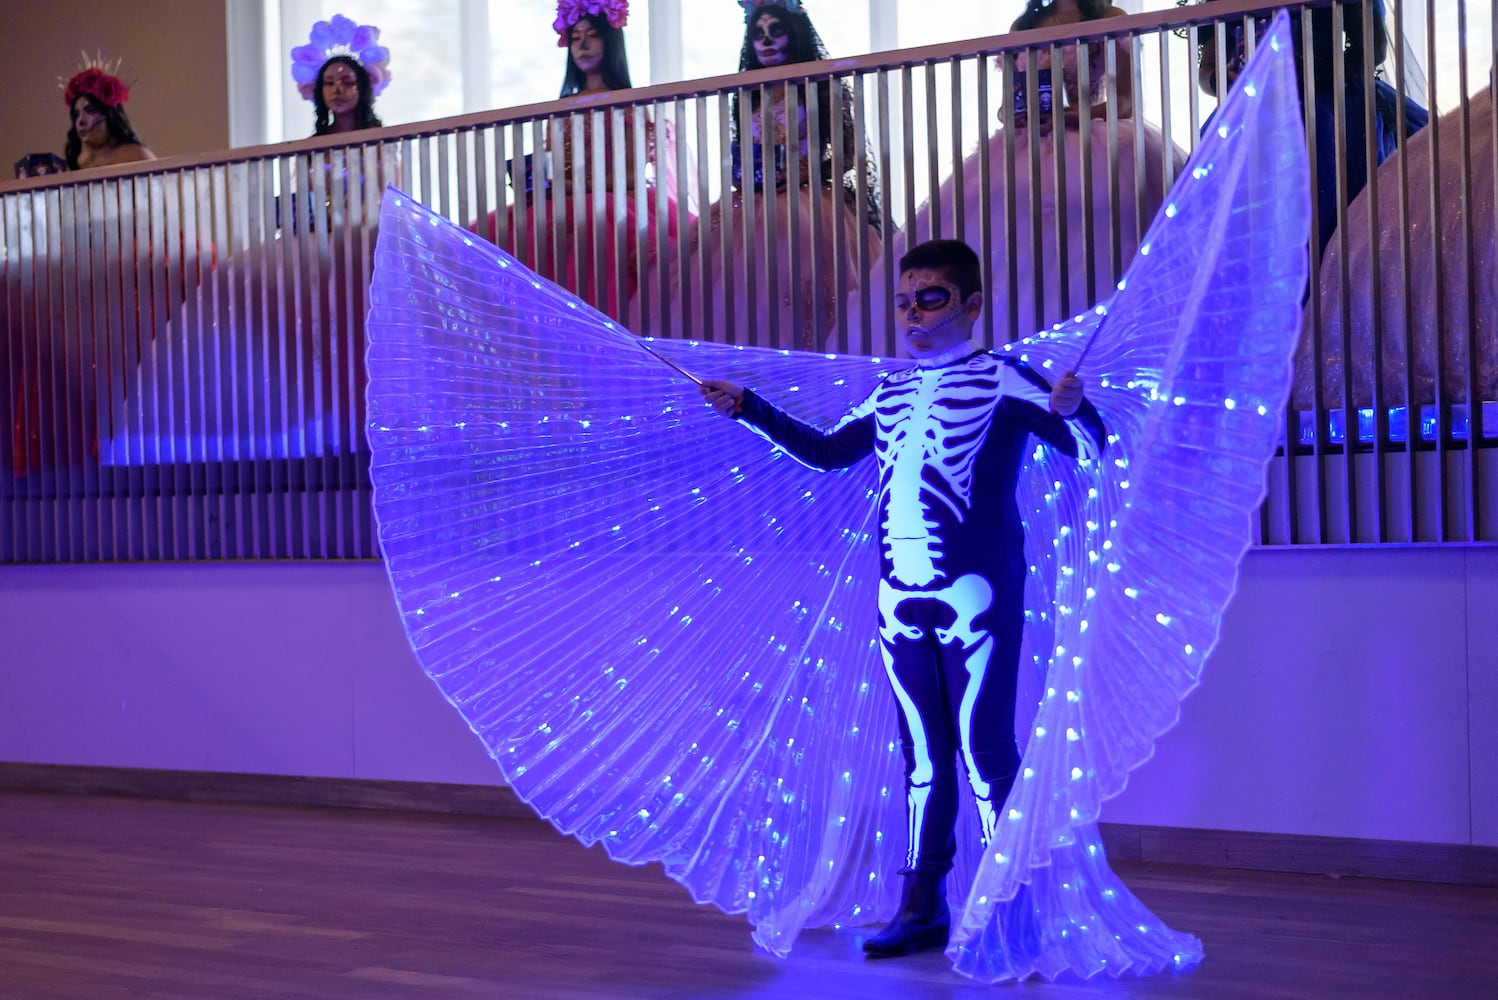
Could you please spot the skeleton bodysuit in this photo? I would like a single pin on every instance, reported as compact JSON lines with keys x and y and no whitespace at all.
{"x":949,"y":437}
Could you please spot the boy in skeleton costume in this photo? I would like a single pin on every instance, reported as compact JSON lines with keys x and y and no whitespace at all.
{"x":949,"y":436}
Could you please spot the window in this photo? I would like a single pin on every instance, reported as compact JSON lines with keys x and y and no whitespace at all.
{"x":450,"y":57}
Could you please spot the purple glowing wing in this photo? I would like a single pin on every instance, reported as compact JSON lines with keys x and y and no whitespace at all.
{"x":658,"y":625}
{"x":662,"y":629}
{"x":1135,"y":558}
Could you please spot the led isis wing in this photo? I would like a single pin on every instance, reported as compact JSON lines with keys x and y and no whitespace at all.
{"x":663,"y":629}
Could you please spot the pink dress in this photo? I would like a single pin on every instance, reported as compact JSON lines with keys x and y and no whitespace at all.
{"x":569,"y":238}
{"x":779,"y":258}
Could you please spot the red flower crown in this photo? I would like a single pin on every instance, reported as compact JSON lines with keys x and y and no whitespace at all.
{"x":106,"y":88}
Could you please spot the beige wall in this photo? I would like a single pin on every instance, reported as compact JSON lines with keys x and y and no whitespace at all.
{"x":174,"y":59}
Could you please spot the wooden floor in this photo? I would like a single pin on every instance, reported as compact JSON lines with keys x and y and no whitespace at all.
{"x":104,"y":897}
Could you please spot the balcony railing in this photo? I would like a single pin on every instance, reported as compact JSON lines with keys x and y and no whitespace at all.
{"x":182,"y":366}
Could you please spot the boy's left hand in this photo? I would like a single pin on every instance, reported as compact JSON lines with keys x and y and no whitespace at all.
{"x":1066,"y":395}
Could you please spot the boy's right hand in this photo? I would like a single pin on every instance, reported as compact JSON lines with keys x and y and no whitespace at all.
{"x":725,"y":397}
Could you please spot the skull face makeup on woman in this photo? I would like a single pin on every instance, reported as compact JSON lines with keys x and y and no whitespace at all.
{"x":587,"y":46}
{"x":771,"y":38}
{"x":88,"y":120}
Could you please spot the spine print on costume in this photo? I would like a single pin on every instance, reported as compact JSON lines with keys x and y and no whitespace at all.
{"x":933,"y":425}
{"x":948,"y":437}
{"x":568,"y":543}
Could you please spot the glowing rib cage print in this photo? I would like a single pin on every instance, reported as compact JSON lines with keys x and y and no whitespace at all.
{"x":949,"y":436}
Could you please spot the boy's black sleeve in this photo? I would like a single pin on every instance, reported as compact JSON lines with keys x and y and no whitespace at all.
{"x":1028,"y":397}
{"x":851,"y":440}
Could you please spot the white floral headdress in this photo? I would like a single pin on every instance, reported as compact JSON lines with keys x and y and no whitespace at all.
{"x":340,"y":37}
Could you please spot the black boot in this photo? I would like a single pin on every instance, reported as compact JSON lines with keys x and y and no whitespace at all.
{"x":922,"y":923}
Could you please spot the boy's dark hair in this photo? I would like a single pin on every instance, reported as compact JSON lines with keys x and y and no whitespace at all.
{"x":953,"y":258}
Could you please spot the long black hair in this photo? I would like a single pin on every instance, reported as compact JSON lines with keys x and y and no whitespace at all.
{"x":1358,"y":36}
{"x":615,"y":66}
{"x":806,"y":46}
{"x":1036,"y":11}
{"x":120,"y":129}
{"x":1324,"y":50}
{"x":364,"y":116}
{"x":1326,"y":47}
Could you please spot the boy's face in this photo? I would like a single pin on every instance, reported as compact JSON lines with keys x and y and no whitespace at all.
{"x":930,"y":314}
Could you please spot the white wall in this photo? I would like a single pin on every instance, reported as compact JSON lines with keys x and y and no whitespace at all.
{"x":1352,"y":694}
{"x":256,"y":668}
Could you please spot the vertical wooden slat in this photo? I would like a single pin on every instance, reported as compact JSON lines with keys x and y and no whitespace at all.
{"x":12,"y":378}
{"x":240,"y":196}
{"x":346,"y":177}
{"x":671,"y":253}
{"x":803,"y":335}
{"x":955,"y":147}
{"x":1084,"y":183}
{"x":96,"y":364}
{"x":193,"y":347}
{"x":134,"y":406}
{"x":748,"y":198}
{"x":63,"y":333}
{"x":861,"y":210}
{"x":1320,"y":432}
{"x":1480,"y":427}
{"x":1470,"y":496}
{"x":703,"y":259}
{"x":907,"y":165}
{"x":933,"y":165}
{"x":280,"y":355}
{"x":73,"y":320}
{"x":192,"y":341}
{"x":1439,"y":531}
{"x":301,"y":372}
{"x":168,"y":359}
{"x":1011,"y":201}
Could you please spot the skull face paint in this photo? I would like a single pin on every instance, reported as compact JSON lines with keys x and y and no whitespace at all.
{"x":771,"y":38}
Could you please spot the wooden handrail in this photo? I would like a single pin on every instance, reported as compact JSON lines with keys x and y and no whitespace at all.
{"x":1133,"y":24}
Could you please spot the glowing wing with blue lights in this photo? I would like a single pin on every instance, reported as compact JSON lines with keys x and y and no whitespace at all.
{"x":663,"y":629}
{"x":1134,"y":560}
{"x":658,"y":626}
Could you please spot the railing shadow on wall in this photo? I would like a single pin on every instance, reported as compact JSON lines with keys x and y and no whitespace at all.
{"x":182,"y":372}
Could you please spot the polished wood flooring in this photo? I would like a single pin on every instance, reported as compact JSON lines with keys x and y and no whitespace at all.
{"x":107,"y":897}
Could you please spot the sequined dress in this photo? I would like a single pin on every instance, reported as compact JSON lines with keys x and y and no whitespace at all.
{"x":564,"y":230}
